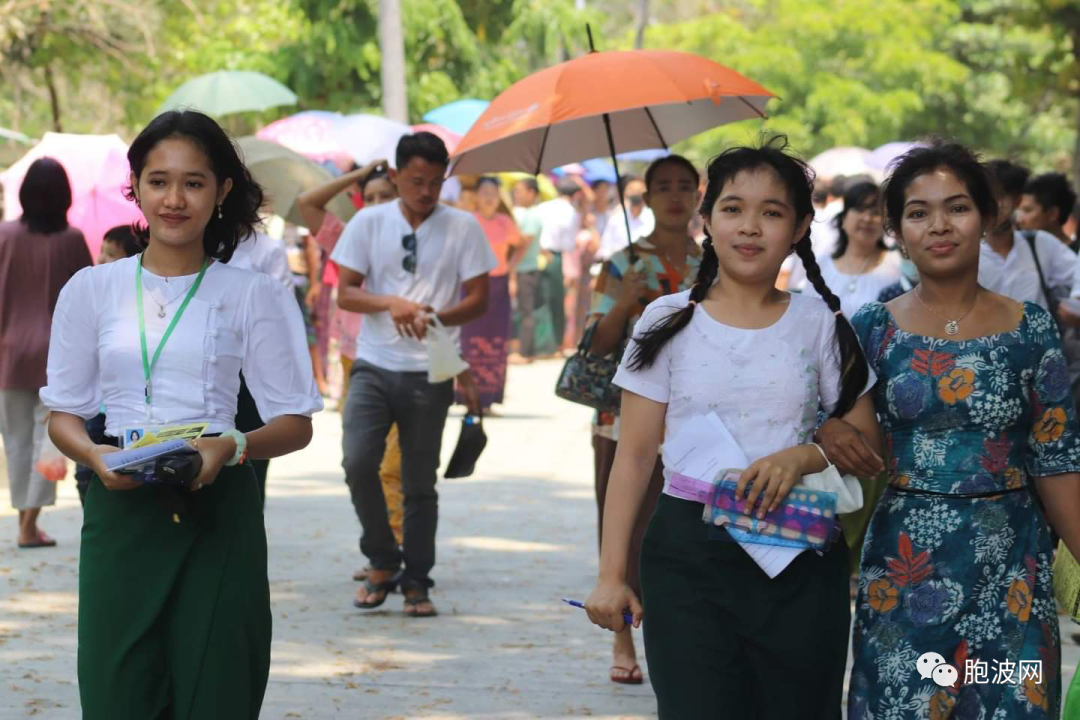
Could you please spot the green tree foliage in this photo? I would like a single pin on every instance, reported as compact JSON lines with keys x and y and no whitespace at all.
{"x":1002,"y":75}
{"x":990,"y":73}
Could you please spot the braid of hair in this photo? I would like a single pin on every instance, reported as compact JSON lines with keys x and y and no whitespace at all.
{"x":648,"y":346}
{"x":853,"y":370}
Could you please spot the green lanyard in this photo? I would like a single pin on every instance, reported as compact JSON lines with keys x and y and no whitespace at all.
{"x":149,"y":365}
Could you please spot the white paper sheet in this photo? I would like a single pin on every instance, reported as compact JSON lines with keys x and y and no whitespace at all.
{"x":701,"y":450}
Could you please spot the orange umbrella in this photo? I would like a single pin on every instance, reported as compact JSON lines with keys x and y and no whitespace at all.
{"x":632,"y":100}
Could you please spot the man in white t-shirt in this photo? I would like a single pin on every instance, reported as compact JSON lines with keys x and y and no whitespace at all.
{"x":401,"y":264}
{"x":823,"y":233}
{"x":1006,"y":262}
{"x":561,"y":223}
{"x":642,"y":221}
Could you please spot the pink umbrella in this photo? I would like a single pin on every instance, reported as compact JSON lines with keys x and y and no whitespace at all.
{"x":98,"y":170}
{"x":307,"y":133}
{"x":447,"y":135}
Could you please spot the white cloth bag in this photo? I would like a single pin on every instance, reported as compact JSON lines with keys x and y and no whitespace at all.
{"x":444,"y":362}
{"x":849,"y":495}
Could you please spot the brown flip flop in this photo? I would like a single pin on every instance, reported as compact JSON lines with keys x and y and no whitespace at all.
{"x":629,"y":679}
{"x":42,"y":541}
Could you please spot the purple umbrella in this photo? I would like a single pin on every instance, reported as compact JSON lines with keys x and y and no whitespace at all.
{"x":882,"y":156}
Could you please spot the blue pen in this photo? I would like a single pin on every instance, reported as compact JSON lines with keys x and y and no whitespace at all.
{"x":627,"y":617}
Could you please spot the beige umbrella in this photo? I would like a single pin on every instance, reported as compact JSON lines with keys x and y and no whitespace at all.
{"x":285,"y":174}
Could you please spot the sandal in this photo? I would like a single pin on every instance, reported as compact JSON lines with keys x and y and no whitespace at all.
{"x":42,"y":541}
{"x":386,"y":587}
{"x":414,"y":602}
{"x":630,"y":679}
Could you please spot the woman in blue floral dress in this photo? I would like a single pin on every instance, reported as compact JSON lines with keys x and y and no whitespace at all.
{"x":973,"y":398}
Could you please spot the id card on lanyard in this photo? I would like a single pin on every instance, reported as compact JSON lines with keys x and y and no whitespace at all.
{"x":148,"y":363}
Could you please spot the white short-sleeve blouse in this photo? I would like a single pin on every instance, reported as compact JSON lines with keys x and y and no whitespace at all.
{"x":766,"y":385}
{"x":237,"y":320}
{"x":854,"y":291}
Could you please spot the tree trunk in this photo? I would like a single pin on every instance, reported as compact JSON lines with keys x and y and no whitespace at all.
{"x":54,"y":98}
{"x":392,"y":45}
{"x":1075,"y":32}
{"x":642,"y":22}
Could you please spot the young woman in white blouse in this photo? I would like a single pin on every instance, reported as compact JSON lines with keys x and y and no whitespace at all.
{"x":174,"y":603}
{"x":862,"y":264}
{"x":720,"y":635}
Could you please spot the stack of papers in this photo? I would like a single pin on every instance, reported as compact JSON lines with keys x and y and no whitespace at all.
{"x":703,"y":449}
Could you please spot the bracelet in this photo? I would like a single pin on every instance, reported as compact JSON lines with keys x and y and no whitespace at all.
{"x":241,"y":447}
{"x":823,"y":455}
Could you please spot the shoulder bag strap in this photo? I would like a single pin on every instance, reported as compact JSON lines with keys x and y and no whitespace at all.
{"x":1051,"y":301}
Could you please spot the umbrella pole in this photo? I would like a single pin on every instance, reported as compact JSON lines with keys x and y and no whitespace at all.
{"x":619,"y":185}
{"x":614,"y":162}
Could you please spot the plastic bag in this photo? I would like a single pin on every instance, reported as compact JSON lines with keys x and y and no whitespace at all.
{"x":444,"y":362}
{"x":50,"y":463}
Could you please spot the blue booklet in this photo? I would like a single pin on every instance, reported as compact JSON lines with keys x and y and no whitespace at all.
{"x":144,"y":458}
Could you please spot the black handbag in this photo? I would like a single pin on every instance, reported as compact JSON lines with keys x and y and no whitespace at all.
{"x":586,"y":379}
{"x":471,"y":443}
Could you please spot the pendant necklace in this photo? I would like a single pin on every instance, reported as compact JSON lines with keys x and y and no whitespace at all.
{"x":155,"y":293}
{"x":853,"y":283}
{"x":951,"y":326}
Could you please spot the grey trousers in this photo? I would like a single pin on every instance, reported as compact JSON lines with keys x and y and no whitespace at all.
{"x":22,"y":423}
{"x":377,"y":399}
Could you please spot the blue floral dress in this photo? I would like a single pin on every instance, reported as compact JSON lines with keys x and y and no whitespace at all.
{"x":957,"y":556}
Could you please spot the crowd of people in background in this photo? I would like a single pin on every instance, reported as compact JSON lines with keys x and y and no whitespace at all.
{"x":832,"y":301}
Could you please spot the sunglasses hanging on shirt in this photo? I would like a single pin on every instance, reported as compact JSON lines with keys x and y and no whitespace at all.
{"x":408,"y":263}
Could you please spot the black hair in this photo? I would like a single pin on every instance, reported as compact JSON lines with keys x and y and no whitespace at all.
{"x":45,"y":196}
{"x":626,"y":180}
{"x":567,"y":187}
{"x":1052,"y":190}
{"x":1009,"y":177}
{"x":797,"y":176}
{"x":599,"y":181}
{"x":859,"y":196}
{"x":239,"y":210}
{"x":375,"y":174}
{"x":488,"y":180}
{"x":530,"y":183}
{"x":424,"y":145}
{"x":127,"y":238}
{"x":671,"y":160}
{"x":837,"y":186}
{"x":952,"y":156}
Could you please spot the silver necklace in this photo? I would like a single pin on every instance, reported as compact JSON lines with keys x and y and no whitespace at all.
{"x":951,"y":326}
{"x":853,"y":284}
{"x":162,"y":305}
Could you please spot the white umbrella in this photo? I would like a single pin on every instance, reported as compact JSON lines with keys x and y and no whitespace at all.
{"x":369,"y":137}
{"x":285,"y":174}
{"x":842,"y":161}
{"x":229,"y":91}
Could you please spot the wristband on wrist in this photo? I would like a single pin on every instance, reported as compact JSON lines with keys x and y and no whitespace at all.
{"x":241,"y":447}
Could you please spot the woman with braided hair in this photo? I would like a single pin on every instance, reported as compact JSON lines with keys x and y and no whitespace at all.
{"x":718,"y":630}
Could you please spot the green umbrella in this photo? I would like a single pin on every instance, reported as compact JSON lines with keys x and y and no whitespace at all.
{"x":285,"y":174}
{"x":229,"y":91}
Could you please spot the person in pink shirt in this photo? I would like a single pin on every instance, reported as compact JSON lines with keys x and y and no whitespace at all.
{"x":484,"y":341}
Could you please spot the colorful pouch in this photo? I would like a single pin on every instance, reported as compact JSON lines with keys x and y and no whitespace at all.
{"x":806,"y":518}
